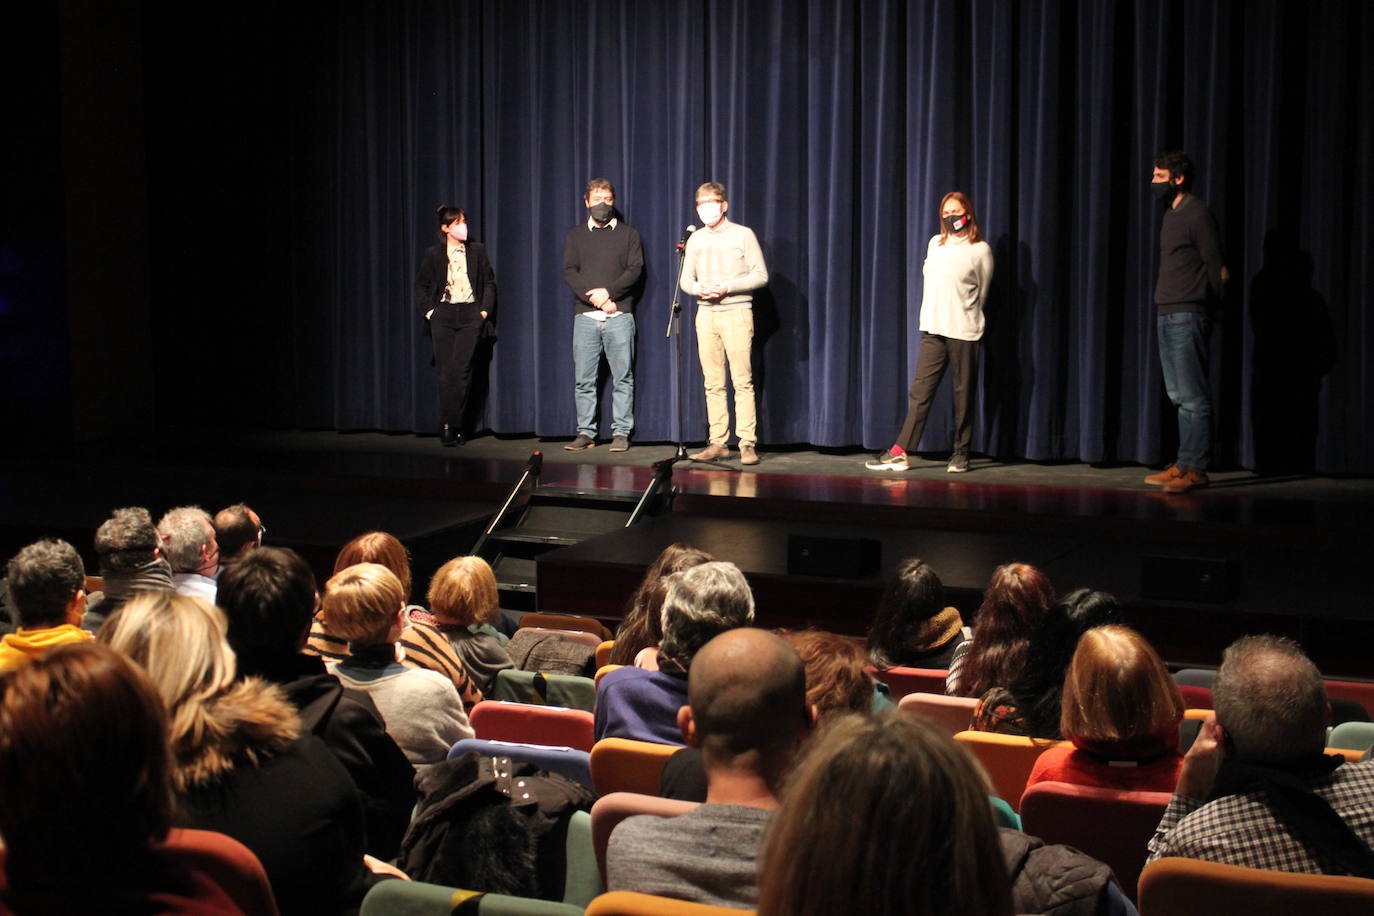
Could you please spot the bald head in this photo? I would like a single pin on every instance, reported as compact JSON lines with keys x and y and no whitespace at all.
{"x":747,"y":692}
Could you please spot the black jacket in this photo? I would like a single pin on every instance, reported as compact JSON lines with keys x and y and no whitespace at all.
{"x":433,"y":277}
{"x":1055,"y":880}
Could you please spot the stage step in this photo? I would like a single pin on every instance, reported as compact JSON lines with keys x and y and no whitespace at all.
{"x":553,"y":518}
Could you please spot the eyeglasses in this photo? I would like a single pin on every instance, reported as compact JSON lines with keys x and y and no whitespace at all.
{"x":262,"y":531}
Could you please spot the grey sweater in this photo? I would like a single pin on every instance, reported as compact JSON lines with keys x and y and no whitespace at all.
{"x":729,"y":255}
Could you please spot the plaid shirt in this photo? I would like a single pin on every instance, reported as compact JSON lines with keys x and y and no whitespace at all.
{"x":1244,"y":830}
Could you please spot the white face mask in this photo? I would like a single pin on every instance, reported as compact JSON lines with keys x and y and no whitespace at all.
{"x":459,"y":231}
{"x":709,"y":213}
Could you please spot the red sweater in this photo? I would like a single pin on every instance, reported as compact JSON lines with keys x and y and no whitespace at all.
{"x":1065,"y":763}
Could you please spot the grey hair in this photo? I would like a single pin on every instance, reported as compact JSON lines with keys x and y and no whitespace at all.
{"x":43,"y":579}
{"x":125,"y":541}
{"x":1271,"y":700}
{"x":700,"y":603}
{"x":183,"y":535}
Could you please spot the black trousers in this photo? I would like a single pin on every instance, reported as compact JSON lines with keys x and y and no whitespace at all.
{"x":455,"y":329}
{"x":937,"y":353}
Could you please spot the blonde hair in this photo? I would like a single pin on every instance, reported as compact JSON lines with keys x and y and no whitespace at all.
{"x":1118,"y":690}
{"x":179,"y":641}
{"x":463,"y":592}
{"x":360,"y":603}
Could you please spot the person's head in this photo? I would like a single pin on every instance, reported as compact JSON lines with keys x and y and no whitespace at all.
{"x":269,"y":598}
{"x":1271,"y":700}
{"x":702,"y":602}
{"x":957,"y":218}
{"x":911,"y":618}
{"x":47,"y":583}
{"x":377,"y":547}
{"x":463,"y":592}
{"x":836,"y":679}
{"x":126,"y":541}
{"x":81,"y":729}
{"x":1118,"y":695}
{"x":363,"y":604}
{"x":1040,"y":688}
{"x":643,"y":623}
{"x":1016,"y":600}
{"x":884,"y":815}
{"x":238,"y":530}
{"x":453,"y":222}
{"x":1175,"y":168}
{"x":188,"y":540}
{"x":600,"y":200}
{"x":179,"y":642}
{"x":746,"y":704}
{"x":712,"y":203}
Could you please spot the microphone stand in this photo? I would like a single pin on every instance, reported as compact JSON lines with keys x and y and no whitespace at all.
{"x":675,"y":331}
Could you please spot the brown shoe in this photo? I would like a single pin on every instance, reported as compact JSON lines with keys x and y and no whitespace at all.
{"x":712,"y":452}
{"x":1168,"y":475}
{"x":1188,"y":480}
{"x":747,"y":455}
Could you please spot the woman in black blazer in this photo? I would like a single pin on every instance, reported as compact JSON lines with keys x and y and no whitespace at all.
{"x":456,"y":293}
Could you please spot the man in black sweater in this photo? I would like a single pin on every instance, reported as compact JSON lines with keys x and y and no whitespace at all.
{"x":1191,"y":276}
{"x":602,"y":264}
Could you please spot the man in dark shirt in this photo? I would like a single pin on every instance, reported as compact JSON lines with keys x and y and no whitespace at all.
{"x":602,"y":263}
{"x":1191,"y":275}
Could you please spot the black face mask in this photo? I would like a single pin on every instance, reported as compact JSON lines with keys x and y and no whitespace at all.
{"x":602,"y":212}
{"x":1163,"y":190}
{"x":956,"y":222}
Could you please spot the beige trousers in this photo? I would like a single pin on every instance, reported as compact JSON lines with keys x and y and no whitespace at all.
{"x":725,"y":338}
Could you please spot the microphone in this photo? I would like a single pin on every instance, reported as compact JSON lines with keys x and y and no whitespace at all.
{"x":686,"y":234}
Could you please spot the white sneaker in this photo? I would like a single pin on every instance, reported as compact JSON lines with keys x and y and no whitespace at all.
{"x":888,"y":462}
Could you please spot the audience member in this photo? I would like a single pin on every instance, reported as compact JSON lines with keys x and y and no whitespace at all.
{"x":240,"y":764}
{"x":188,"y":543}
{"x":747,"y":713}
{"x":1256,"y":789}
{"x":365,"y":604}
{"x":238,"y":529}
{"x":462,"y":602}
{"x":637,"y":639}
{"x":269,"y":598}
{"x":128,"y":549}
{"x":422,"y":645}
{"x":883,"y":815}
{"x":700,"y":603}
{"x":913,"y":627}
{"x":1121,"y":710}
{"x":47,"y":584}
{"x":86,"y":799}
{"x":1032,"y":704}
{"x":1014,"y":603}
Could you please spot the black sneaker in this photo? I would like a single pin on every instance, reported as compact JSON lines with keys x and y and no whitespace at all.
{"x":958,"y":463}
{"x":582,"y":441}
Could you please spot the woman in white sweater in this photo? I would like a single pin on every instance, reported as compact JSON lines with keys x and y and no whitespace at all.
{"x":958,"y":269}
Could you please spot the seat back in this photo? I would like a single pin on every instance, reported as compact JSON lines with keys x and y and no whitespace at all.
{"x":603,"y":671}
{"x":229,"y":863}
{"x":1361,"y":692}
{"x":1355,"y":736}
{"x":603,"y":653}
{"x":566,"y":761}
{"x":1007,"y":759}
{"x":628,"y":903}
{"x":528,"y":723}
{"x":626,"y":765}
{"x":1192,"y":887}
{"x":578,"y":636}
{"x":567,"y":622}
{"x":1111,"y":825}
{"x":953,"y":713}
{"x":901,"y":681}
{"x":416,"y":898}
{"x":611,"y":809}
{"x":1196,"y":677}
{"x":544,"y":689}
{"x":1195,"y":697}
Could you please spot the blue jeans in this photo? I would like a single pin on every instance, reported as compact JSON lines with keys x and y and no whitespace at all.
{"x":616,"y":338}
{"x":1184,"y":344}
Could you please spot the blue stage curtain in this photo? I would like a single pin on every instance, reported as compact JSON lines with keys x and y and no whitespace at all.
{"x":836,"y":127}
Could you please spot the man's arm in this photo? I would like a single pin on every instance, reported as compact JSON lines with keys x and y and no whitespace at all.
{"x":634,"y":266}
{"x":689,"y":270}
{"x":755,"y":270}
{"x":1195,"y":781}
{"x":1208,"y":240}
{"x":572,"y":268}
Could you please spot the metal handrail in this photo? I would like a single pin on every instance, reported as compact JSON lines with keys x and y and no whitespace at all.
{"x":531,"y":471}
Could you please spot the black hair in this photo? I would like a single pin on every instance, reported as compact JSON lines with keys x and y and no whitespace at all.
{"x":268,"y":597}
{"x":447,"y":213}
{"x":1177,"y":164}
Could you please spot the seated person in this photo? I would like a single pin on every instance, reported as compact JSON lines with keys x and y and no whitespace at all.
{"x":129,"y":552}
{"x":913,"y":628}
{"x":701,"y":602}
{"x":84,"y":765}
{"x":1017,"y":598}
{"x":463,"y":603}
{"x":47,"y":585}
{"x":240,"y":763}
{"x":269,"y":599}
{"x":1256,"y":789}
{"x":1032,"y":705}
{"x":1121,"y":710}
{"x":188,"y":543}
{"x":422,"y":711}
{"x":747,"y":712}
{"x":639,"y":633}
